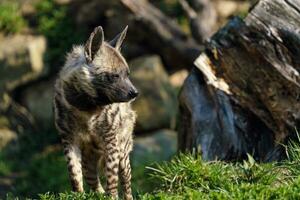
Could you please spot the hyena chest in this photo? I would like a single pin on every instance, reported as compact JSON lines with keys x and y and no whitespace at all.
{"x":115,"y":124}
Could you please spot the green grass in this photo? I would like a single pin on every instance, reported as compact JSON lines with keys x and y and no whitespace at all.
{"x":43,"y":175}
{"x":186,"y":177}
{"x":189,"y":177}
{"x":38,"y":161}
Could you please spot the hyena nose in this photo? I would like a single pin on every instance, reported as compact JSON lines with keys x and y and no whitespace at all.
{"x":133,"y":93}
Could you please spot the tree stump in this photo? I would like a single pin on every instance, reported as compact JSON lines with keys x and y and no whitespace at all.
{"x":244,"y":94}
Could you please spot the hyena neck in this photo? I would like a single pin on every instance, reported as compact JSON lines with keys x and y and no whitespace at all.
{"x":79,"y":98}
{"x":83,"y":101}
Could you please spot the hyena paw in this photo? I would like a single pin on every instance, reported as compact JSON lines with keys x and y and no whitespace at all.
{"x":100,"y":190}
{"x":128,"y":197}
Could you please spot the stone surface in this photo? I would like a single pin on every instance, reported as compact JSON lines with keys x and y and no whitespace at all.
{"x":6,"y":136}
{"x":38,"y":100}
{"x":21,"y":59}
{"x":178,"y":78}
{"x":156,"y":106}
{"x":157,"y":146}
{"x":228,"y":8}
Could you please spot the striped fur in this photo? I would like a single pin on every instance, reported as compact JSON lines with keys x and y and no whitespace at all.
{"x":93,"y":114}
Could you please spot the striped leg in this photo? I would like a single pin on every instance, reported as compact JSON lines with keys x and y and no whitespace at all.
{"x":125,"y":172}
{"x":90,"y":170}
{"x":111,"y":165}
{"x":73,"y":157}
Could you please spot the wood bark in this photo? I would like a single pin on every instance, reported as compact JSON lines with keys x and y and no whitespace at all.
{"x":254,"y":62}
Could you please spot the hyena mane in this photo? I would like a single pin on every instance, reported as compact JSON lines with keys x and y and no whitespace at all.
{"x":93,"y":114}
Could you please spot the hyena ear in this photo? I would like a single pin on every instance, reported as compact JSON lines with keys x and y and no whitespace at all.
{"x":118,"y":40}
{"x":94,"y":43}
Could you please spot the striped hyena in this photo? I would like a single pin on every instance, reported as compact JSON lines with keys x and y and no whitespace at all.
{"x":93,"y":114}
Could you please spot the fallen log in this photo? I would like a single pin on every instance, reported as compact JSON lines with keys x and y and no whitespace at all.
{"x":254,"y":65}
{"x":175,"y":46}
{"x":202,"y":18}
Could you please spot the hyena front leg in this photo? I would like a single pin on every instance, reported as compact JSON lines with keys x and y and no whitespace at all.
{"x":125,"y":172}
{"x":111,"y":164}
{"x":90,"y":161}
{"x":73,"y":158}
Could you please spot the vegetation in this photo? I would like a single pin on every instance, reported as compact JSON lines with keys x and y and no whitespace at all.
{"x":11,"y":20}
{"x":39,"y":165}
{"x":184,"y":177}
{"x":57,"y":26}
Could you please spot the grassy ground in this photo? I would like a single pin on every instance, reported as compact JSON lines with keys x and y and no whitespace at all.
{"x":36,"y":165}
{"x":184,"y":177}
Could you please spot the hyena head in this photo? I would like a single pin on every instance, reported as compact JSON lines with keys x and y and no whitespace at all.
{"x":103,"y":78}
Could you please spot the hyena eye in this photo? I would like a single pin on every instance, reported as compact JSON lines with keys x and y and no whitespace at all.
{"x":113,"y":77}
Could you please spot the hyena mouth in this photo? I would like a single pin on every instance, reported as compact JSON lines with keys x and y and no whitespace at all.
{"x":102,"y":98}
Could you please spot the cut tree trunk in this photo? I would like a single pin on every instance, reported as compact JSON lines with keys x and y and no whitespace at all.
{"x":252,"y":85}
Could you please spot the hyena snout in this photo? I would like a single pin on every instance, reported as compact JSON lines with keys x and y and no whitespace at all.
{"x":123,"y":91}
{"x":132,"y":91}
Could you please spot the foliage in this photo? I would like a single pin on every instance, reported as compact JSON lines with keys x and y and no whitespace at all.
{"x":5,"y":168}
{"x":173,"y":9}
{"x":189,"y":177}
{"x":72,"y":196}
{"x":56,"y":24}
{"x":11,"y":20}
{"x":38,"y":161}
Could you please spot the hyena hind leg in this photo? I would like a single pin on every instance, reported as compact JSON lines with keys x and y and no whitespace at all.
{"x":73,"y":157}
{"x":125,"y":172}
{"x":90,"y":167}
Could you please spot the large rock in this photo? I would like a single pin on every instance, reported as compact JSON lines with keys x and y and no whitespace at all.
{"x":21,"y":59}
{"x":177,"y":78}
{"x":156,"y":105}
{"x":6,"y":136}
{"x":38,"y":100}
{"x":157,"y":146}
{"x":227,"y":8}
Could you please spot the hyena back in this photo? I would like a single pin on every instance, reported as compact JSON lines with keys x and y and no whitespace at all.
{"x":93,"y":114}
